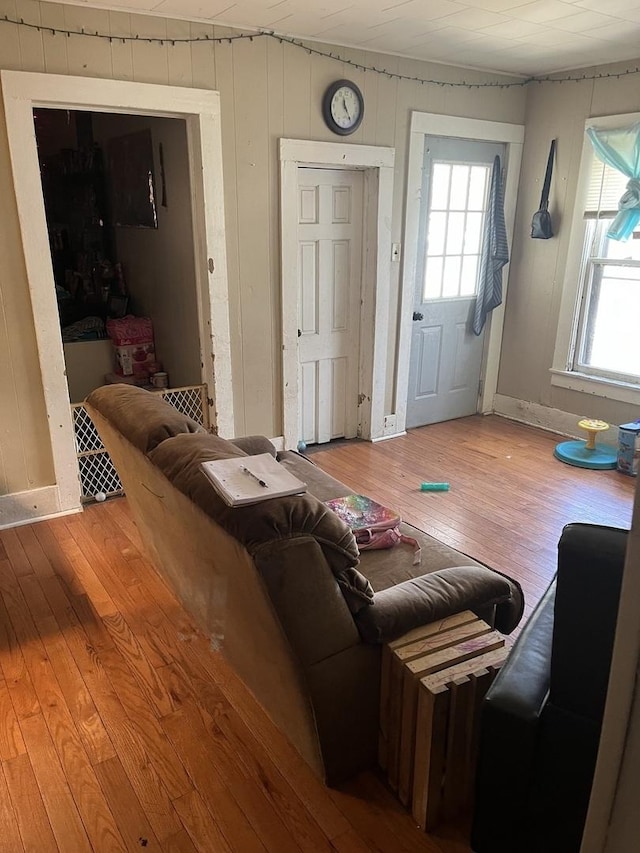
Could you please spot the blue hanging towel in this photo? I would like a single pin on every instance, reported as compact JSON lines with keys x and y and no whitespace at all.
{"x":494,"y":255}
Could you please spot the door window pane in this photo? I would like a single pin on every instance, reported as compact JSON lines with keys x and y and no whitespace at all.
{"x":451,"y":276}
{"x":459,"y":188}
{"x":437,"y":233}
{"x":477,"y":188}
{"x":440,"y":186}
{"x":473,"y":233}
{"x":455,"y":233}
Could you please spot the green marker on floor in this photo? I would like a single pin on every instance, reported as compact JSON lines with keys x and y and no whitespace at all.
{"x":434,"y":487}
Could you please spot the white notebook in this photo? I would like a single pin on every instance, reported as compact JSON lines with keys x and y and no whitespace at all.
{"x":251,"y":479}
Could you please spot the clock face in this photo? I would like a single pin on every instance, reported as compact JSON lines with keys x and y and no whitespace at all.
{"x":343,"y":107}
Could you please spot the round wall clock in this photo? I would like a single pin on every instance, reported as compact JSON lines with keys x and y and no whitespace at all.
{"x":343,"y":107}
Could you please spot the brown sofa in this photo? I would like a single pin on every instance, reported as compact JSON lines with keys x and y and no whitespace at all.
{"x":279,"y":586}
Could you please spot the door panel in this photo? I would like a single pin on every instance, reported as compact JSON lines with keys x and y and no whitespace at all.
{"x":446,"y":357}
{"x":308,"y":392}
{"x":309,"y":287}
{"x":430,"y":343}
{"x":329,"y":280}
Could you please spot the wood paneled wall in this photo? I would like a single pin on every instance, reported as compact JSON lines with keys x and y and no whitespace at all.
{"x":537,"y":275}
{"x":268,"y":91}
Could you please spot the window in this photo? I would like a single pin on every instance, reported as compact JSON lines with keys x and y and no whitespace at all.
{"x":595,"y":352}
{"x":604,"y":344}
{"x":457,"y":204}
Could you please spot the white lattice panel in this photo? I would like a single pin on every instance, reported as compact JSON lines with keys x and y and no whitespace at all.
{"x":97,"y":474}
{"x":95,"y":467}
{"x":191,"y":400}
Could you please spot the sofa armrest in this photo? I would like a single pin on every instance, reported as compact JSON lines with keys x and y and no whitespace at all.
{"x":590,"y":568}
{"x":509,"y":733}
{"x":425,"y":599}
{"x":522,"y":685}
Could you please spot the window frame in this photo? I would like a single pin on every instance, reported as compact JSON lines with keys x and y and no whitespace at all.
{"x":592,"y":274}
{"x":563,"y":371}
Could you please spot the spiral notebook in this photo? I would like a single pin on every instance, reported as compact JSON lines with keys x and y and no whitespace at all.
{"x":246,"y":480}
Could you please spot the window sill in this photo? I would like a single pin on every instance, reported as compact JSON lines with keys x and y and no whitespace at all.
{"x":625,"y":392}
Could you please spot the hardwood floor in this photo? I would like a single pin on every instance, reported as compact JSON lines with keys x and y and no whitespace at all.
{"x":509,"y":497}
{"x":121,"y":730}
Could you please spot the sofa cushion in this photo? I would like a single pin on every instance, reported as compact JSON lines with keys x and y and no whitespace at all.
{"x":180,"y":458}
{"x":142,"y":417}
{"x":319,"y":483}
{"x":253,"y":445}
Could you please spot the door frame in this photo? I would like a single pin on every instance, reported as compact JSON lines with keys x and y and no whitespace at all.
{"x":24,"y":91}
{"x":377,"y":162}
{"x":431,"y":124}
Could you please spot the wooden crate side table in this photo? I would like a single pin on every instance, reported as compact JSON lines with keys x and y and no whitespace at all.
{"x":446,"y":736}
{"x":421,"y":633}
{"x":433,"y":681}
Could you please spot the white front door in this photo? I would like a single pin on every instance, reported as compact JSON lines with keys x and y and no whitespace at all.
{"x":446,"y":356}
{"x":329,"y":293}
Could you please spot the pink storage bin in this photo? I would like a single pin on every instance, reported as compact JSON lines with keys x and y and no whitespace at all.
{"x":134,"y":350}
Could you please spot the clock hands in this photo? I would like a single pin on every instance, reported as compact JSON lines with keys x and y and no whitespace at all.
{"x":346,"y":108}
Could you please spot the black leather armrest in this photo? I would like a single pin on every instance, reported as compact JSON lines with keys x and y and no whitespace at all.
{"x":590,"y":567}
{"x":522,"y":685}
{"x":509,"y":733}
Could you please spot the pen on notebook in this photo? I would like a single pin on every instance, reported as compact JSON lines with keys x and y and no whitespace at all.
{"x":251,"y":474}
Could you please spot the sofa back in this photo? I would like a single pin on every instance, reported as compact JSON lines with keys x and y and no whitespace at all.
{"x":262,"y":581}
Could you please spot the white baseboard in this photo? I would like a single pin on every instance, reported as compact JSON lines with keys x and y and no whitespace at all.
{"x":387,"y":437}
{"x":545,"y":417}
{"x":35,"y":505}
{"x":278,"y":442}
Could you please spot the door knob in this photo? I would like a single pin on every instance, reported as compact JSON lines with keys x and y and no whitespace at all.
{"x":418,"y":316}
{"x":299,"y":333}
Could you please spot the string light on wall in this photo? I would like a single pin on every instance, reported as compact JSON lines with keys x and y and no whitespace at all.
{"x":313,"y":51}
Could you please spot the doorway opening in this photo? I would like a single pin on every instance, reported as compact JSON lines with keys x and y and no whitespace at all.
{"x":330,"y":225}
{"x":199,"y":111}
{"x":428,"y":126}
{"x":355,"y":378}
{"x":117,"y":200}
{"x":446,"y":355}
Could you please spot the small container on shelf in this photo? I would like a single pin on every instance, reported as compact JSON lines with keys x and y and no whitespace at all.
{"x":629,"y":448}
{"x":159,"y":380}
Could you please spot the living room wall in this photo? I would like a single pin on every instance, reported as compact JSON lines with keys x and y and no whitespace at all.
{"x":537,"y":275}
{"x":268,"y":91}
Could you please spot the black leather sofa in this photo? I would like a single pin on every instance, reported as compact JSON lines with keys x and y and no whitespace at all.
{"x":541,"y":719}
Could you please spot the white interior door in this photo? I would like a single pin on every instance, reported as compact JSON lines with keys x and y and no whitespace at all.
{"x":446,"y":356}
{"x":329,"y":288}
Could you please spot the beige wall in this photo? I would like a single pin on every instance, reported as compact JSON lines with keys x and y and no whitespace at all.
{"x":159,"y":264}
{"x":268,"y":91}
{"x":538,"y":266}
{"x":86,"y":363}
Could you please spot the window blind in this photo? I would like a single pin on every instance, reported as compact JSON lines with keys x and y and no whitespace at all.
{"x":606,"y":186}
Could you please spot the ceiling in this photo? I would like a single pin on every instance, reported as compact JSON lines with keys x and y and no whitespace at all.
{"x":514,"y":36}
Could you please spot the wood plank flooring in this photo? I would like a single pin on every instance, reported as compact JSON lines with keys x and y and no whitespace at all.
{"x":121,"y":730}
{"x":509,"y":497}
